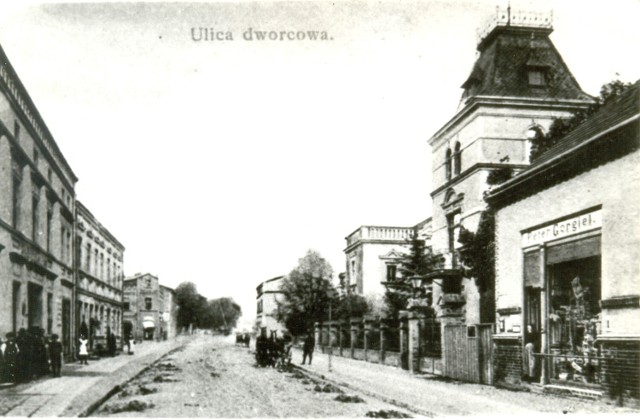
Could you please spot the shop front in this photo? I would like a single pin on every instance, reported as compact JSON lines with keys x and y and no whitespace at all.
{"x":562,"y":293}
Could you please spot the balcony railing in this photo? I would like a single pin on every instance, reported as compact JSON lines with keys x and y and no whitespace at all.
{"x":380,"y":233}
{"x":508,"y":17}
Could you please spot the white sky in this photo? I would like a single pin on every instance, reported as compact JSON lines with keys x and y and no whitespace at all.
{"x":221,"y":163}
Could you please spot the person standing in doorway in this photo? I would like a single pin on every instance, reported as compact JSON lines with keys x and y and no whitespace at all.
{"x":307,"y":348}
{"x":55,"y":352}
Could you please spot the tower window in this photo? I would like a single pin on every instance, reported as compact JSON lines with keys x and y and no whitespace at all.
{"x":457,"y":159}
{"x":536,"y":78}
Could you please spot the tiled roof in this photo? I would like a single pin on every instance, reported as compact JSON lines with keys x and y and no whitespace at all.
{"x":610,"y":133}
{"x":501,"y":69}
{"x":608,"y":116}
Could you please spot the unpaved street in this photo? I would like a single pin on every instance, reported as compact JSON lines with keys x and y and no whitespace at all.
{"x":212,"y":377}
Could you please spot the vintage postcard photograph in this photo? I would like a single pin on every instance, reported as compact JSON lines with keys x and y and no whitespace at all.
{"x":319,"y":209}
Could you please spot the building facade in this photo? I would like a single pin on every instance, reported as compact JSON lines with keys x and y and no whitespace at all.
{"x":373,"y":254}
{"x":149,"y":308}
{"x":99,"y":283}
{"x":267,"y":295}
{"x":568,"y":244}
{"x":37,"y":206}
{"x":518,"y":84}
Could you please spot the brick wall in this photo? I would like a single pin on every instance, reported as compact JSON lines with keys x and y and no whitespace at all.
{"x":620,"y":372}
{"x":507,"y":361}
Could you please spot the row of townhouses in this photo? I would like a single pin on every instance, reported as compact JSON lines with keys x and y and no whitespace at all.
{"x":60,"y":269}
{"x":564,"y":308}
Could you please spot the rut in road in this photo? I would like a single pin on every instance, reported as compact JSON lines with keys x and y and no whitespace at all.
{"x":212,"y":377}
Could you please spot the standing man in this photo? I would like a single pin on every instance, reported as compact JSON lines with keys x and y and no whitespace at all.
{"x":55,"y":352}
{"x":307,"y":348}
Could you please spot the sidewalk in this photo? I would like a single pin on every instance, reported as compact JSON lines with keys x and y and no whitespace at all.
{"x":81,"y":387}
{"x":432,"y":396}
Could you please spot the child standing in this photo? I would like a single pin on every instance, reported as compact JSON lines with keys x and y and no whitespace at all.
{"x":83,"y":353}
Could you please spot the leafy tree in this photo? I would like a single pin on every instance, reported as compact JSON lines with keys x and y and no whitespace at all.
{"x":351,"y":306}
{"x":560,"y":127}
{"x":224,"y":313}
{"x":478,"y":256}
{"x":306,"y":292}
{"x":190,"y":304}
{"x":419,"y":261}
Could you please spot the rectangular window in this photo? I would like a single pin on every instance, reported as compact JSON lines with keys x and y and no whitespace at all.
{"x":109,"y":270}
{"x":36,"y":157}
{"x":16,"y":130}
{"x":35,"y":201}
{"x":49,"y":224}
{"x":391,"y":273}
{"x":69,"y":255}
{"x":147,"y":303}
{"x":536,"y":78}
{"x":63,"y":247}
{"x":88,"y":259}
{"x":95,"y":262}
{"x":49,"y":175}
{"x":127,"y":306}
{"x":453,"y":229}
{"x":16,"y":201}
{"x":49,"y":312}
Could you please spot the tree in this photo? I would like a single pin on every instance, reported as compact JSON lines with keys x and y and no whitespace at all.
{"x":306,"y":292}
{"x":560,"y":127}
{"x":224,"y":313}
{"x":478,"y":256}
{"x":351,"y":306}
{"x":190,"y":304}
{"x":419,"y":261}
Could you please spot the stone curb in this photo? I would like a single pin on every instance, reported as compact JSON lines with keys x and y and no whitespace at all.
{"x":372,"y":394}
{"x":84,"y":406}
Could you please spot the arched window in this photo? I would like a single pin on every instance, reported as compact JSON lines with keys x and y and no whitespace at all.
{"x":447,"y":164}
{"x":457,"y":159}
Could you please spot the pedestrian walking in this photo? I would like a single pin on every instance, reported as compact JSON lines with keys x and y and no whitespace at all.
{"x":111,"y":342}
{"x":24,"y":357}
{"x":10,"y":359}
{"x":307,"y":348}
{"x":131,"y":343}
{"x":84,"y":352}
{"x":55,"y":352}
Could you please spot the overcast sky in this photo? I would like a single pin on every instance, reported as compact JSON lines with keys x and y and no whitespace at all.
{"x":222,"y":162}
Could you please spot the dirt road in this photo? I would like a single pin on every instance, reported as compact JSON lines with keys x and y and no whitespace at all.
{"x":212,"y":377}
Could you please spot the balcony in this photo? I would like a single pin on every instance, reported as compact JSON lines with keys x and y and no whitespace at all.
{"x":380,"y":233}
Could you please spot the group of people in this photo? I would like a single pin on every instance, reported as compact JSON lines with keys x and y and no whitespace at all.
{"x":273,"y":351}
{"x":243,"y":339}
{"x":29,"y":354}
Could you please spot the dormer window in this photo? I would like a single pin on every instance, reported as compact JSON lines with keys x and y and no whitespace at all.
{"x":536,"y":78}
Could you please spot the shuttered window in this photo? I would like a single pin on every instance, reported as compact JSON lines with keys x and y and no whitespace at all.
{"x":532,"y":269}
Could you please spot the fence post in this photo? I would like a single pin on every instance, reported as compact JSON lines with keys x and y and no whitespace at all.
{"x":414,"y":342}
{"x":404,"y":330}
{"x":383,"y":329}
{"x":354,"y":335}
{"x":318,"y":335}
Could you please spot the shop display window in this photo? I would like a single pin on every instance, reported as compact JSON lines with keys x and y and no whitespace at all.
{"x":574,"y":318}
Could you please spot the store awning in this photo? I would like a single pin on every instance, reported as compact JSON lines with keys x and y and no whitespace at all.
{"x":148,"y":324}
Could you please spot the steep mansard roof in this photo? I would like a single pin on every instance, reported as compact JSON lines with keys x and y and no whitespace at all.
{"x":506,"y":55}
